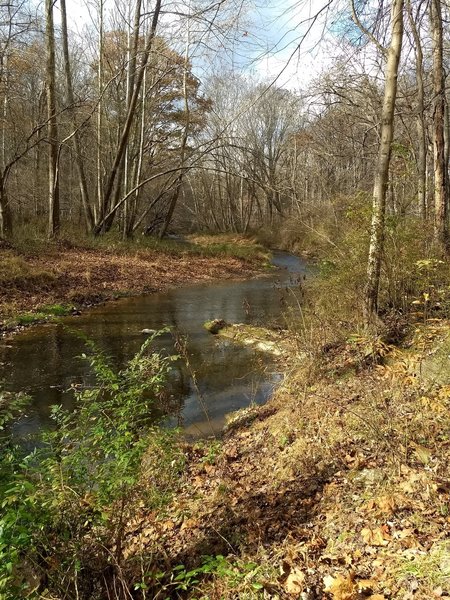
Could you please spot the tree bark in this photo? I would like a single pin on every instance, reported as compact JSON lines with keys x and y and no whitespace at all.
{"x":76,"y":141}
{"x":440,"y":171}
{"x":420,"y":118}
{"x":6,"y":224}
{"x":99,"y":206}
{"x":384,"y":156}
{"x":53,"y":185}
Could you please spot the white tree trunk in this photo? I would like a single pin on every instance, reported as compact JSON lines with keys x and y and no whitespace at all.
{"x":53,"y":187}
{"x":440,"y":170}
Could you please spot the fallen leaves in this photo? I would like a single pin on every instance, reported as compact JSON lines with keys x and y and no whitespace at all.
{"x":338,"y":514}
{"x":295,"y":582}
{"x":388,"y":504}
{"x":341,"y":587}
{"x":376,"y":537}
{"x":346,"y":587}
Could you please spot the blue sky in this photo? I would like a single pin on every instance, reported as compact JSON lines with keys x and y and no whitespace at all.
{"x":282,"y":39}
{"x":293,"y":40}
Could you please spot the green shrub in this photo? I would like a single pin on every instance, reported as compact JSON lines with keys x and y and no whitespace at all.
{"x":65,"y":506}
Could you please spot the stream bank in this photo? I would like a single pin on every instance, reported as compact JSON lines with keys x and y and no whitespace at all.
{"x":218,"y":376}
{"x":63,"y":278}
{"x":337,"y":488}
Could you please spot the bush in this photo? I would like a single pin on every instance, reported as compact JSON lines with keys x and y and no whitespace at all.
{"x":414,"y":282}
{"x":66,"y":505}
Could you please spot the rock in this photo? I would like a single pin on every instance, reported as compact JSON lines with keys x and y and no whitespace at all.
{"x":148,"y":331}
{"x":215,"y":326}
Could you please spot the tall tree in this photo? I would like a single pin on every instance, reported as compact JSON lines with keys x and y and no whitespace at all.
{"x":53,"y":179}
{"x":75,"y":135}
{"x":420,"y":116}
{"x":384,"y":156}
{"x":440,"y":166}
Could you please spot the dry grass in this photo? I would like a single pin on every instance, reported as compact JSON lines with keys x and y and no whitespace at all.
{"x":339,"y":486}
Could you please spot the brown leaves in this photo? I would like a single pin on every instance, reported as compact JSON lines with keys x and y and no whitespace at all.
{"x":341,"y":587}
{"x":388,"y":504}
{"x":189,"y":524}
{"x":295,"y":582}
{"x":376,"y":537}
{"x":345,"y":587}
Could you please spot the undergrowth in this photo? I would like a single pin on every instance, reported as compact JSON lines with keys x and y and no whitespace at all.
{"x":32,"y":242}
{"x":414,"y":283}
{"x":66,"y":505}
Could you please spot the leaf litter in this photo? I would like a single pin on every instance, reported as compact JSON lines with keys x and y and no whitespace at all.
{"x":340,"y":491}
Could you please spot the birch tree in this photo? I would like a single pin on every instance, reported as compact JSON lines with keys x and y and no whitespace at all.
{"x":53,"y":183}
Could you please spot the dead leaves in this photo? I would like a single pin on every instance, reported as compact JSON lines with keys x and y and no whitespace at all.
{"x":340,"y":587}
{"x":379,"y":536}
{"x":346,"y":587}
{"x":295,"y":582}
{"x":388,"y":504}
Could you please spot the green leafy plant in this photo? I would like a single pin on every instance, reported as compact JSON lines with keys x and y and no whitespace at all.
{"x":234,"y":573}
{"x":212,"y":450}
{"x":65,"y":506}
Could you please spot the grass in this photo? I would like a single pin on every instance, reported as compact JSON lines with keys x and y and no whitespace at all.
{"x":15,"y":270}
{"x":44,"y":313}
{"x":32,"y":242}
{"x":432,"y":569}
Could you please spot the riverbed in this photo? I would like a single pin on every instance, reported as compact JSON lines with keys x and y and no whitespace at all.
{"x":221,"y":377}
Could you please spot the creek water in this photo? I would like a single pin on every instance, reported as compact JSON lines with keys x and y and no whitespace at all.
{"x":45,"y":360}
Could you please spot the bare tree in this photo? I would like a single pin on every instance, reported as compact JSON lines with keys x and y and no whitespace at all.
{"x":384,"y":156}
{"x":53,"y":183}
{"x":420,"y":117}
{"x":75,"y":137}
{"x":440,"y":166}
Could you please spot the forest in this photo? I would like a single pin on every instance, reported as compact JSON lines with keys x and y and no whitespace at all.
{"x":150,"y":144}
{"x":120,"y":129}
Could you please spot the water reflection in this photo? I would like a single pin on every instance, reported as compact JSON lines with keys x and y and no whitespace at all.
{"x":44,"y":361}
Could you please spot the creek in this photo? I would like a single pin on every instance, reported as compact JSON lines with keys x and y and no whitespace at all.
{"x":45,"y":362}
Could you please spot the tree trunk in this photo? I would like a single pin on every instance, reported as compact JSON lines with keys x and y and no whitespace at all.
{"x":420,"y":118}
{"x":440,"y":171}
{"x":76,"y":140}
{"x":384,"y":156}
{"x":6,"y":225}
{"x":179,"y":183}
{"x":53,"y":187}
{"x":130,"y":114}
{"x":98,"y":210}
